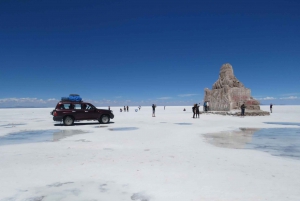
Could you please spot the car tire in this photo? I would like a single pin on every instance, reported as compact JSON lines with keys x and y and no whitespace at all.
{"x":68,"y":121}
{"x":104,"y":119}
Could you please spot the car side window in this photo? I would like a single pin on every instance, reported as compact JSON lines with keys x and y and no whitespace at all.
{"x":89,"y":107}
{"x":77,"y":106}
{"x":64,"y":106}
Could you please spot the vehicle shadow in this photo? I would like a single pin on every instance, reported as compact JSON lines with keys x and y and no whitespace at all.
{"x":82,"y":124}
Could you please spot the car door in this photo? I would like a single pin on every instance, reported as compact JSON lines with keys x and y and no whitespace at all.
{"x":78,"y":112}
{"x":91,"y":112}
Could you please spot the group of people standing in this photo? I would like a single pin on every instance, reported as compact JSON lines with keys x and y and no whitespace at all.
{"x":126,"y":108}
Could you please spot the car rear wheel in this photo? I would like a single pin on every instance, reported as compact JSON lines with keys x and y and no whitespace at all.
{"x":68,"y":121}
{"x":104,"y":119}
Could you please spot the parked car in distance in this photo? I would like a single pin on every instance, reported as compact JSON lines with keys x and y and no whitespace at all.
{"x":68,"y":112}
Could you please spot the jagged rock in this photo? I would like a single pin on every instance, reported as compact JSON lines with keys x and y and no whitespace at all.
{"x":229,"y":93}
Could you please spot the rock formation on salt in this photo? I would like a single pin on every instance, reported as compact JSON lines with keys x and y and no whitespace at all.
{"x":228,"y":93}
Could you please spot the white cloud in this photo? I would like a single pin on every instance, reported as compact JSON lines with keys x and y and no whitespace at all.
{"x":187,"y":95}
{"x":164,"y":98}
{"x":290,"y":98}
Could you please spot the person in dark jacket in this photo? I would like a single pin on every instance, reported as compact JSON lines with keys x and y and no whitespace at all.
{"x":197,"y":111}
{"x":243,"y":107}
{"x":153,"y":110}
{"x":194,"y":110}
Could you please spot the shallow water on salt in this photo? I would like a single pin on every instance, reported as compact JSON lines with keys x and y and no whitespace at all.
{"x":37,"y":136}
{"x":283,"y":142}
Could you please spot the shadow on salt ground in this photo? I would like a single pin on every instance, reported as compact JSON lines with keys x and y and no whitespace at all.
{"x":37,"y":136}
{"x":82,"y":123}
{"x":284,"y":123}
{"x":123,"y":129}
{"x":88,"y":190}
{"x":11,"y":125}
{"x":183,"y":123}
{"x":276,"y":141}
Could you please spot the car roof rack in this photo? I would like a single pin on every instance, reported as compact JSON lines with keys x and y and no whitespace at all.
{"x":62,"y":101}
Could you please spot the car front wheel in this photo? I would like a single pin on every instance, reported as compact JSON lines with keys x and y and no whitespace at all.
{"x":68,"y":121}
{"x":104,"y":119}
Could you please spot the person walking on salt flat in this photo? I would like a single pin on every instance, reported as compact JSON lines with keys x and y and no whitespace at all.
{"x":271,"y":107}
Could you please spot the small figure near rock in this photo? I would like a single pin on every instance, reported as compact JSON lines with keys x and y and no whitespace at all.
{"x":120,"y":109}
{"x":127,"y":108}
{"x":139,"y":107}
{"x":124,"y":109}
{"x":243,"y":107}
{"x":108,"y":107}
{"x":271,"y":107}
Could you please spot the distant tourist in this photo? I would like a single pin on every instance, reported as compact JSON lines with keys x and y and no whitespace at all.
{"x":243,"y":110}
{"x":183,"y":109}
{"x":153,"y":110}
{"x":127,"y":108}
{"x":197,"y":111}
{"x":108,"y":107}
{"x":164,"y":107}
{"x":139,"y":107}
{"x":120,"y":109}
{"x":124,"y":109}
{"x":271,"y":107}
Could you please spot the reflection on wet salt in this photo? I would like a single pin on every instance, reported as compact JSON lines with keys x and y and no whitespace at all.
{"x":37,"y":136}
{"x":183,"y":123}
{"x":123,"y":129}
{"x":276,"y":141}
{"x":284,"y":123}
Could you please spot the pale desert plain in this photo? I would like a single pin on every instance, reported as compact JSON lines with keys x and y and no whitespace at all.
{"x":143,"y":158}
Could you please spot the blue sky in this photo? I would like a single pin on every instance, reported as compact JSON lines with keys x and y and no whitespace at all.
{"x":144,"y":52}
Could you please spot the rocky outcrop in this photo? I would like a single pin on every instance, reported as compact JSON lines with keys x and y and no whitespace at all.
{"x":229,"y":93}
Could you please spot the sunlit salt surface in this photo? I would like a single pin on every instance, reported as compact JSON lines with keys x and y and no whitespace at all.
{"x":284,"y":123}
{"x":276,"y":141}
{"x":37,"y":136}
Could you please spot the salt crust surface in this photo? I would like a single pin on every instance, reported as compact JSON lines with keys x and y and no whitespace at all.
{"x":166,"y":158}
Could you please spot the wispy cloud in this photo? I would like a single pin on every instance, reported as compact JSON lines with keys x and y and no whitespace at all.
{"x":187,"y":95}
{"x":289,"y":98}
{"x":164,"y":98}
{"x":290,"y":94}
{"x":266,"y":98}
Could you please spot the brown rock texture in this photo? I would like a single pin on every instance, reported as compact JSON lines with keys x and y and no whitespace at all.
{"x":229,"y":93}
